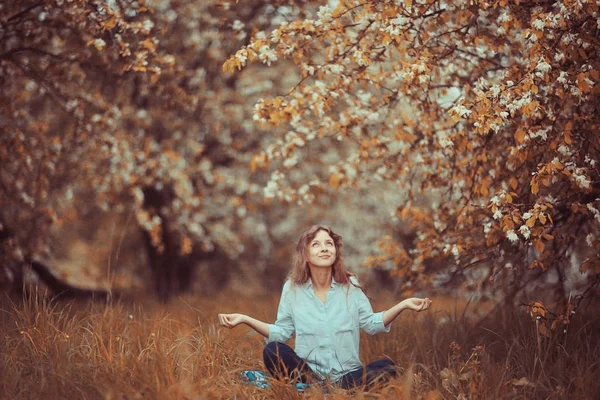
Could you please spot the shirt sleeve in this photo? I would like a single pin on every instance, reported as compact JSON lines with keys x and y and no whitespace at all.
{"x":283,"y":328}
{"x":368,"y":320}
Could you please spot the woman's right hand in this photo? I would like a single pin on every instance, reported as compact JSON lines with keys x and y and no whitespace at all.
{"x":231,"y":320}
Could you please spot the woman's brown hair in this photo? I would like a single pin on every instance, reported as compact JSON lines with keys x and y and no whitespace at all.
{"x":300,"y":270}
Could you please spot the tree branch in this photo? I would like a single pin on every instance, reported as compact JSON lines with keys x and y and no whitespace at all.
{"x":23,"y":12}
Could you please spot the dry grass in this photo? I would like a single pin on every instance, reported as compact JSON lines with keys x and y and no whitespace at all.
{"x":148,"y":351}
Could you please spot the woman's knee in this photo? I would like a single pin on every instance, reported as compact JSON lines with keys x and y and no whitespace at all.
{"x":274,"y":349}
{"x":385,"y":366}
{"x":388,"y":363}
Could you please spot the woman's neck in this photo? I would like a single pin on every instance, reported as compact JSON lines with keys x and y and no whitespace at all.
{"x":321,"y":277}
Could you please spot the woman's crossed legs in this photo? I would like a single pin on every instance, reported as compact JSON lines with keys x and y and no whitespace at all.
{"x":282,"y":362}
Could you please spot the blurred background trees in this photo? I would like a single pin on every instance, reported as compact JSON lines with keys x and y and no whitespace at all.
{"x":115,"y":110}
{"x":452,"y":145}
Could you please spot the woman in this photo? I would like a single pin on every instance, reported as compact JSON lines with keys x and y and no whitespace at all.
{"x":324,"y":305}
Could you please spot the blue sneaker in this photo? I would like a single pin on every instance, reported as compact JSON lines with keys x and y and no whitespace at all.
{"x":257,"y":378}
{"x":301,"y":386}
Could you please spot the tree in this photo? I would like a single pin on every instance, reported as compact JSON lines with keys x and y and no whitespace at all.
{"x":120,"y":107}
{"x":484,"y":113}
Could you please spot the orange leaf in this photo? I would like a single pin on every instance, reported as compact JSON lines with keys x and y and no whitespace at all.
{"x":534,"y":186}
{"x":544,"y":329}
{"x":520,"y":136}
{"x":539,"y":245}
{"x":568,"y":138}
{"x":536,"y":308}
{"x":335,"y":180}
{"x":584,"y":266}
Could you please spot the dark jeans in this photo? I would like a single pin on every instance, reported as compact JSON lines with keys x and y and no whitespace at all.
{"x":283,"y":363}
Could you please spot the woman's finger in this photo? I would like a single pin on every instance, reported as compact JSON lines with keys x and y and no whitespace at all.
{"x":223,"y":320}
{"x":426,"y":303}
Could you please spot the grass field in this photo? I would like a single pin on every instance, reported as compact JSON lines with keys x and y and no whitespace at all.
{"x":71,"y":350}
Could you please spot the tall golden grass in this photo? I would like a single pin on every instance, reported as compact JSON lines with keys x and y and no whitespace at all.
{"x":144,"y":350}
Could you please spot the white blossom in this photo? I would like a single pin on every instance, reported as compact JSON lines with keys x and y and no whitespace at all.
{"x":594,"y":211}
{"x":543,"y":66}
{"x":148,"y":24}
{"x":324,"y":14}
{"x":524,"y":230}
{"x":539,"y":24}
{"x":237,"y":25}
{"x":581,"y":180}
{"x":494,"y":91}
{"x":267,"y":55}
{"x":487,"y":227}
{"x":589,"y":239}
{"x":400,"y":20}
{"x":512,"y":236}
{"x":562,"y":77}
{"x":290,"y":162}
{"x":461,"y":110}
{"x":504,"y":15}
{"x":590,"y":161}
{"x":99,"y":44}
{"x":564,"y":150}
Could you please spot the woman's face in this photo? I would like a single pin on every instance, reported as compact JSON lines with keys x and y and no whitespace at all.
{"x":321,"y":250}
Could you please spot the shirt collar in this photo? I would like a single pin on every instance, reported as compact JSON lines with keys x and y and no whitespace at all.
{"x":308,"y":283}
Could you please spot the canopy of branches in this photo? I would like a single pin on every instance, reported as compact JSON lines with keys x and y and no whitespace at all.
{"x":206,"y":123}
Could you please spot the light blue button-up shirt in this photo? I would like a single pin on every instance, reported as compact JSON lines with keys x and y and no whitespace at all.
{"x":327,"y":334}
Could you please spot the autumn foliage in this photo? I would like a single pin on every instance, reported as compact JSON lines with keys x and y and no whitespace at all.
{"x":192,"y":120}
{"x":483,"y":113}
{"x":120,"y":108}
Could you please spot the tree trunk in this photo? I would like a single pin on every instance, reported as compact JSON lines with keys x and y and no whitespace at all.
{"x":63,"y":289}
{"x":172,"y":272}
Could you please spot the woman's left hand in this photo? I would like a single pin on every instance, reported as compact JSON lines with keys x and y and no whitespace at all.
{"x":417,"y":304}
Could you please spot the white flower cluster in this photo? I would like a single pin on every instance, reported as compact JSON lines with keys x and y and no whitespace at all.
{"x":272,"y":189}
{"x":325,"y":15}
{"x":542,"y":68}
{"x":524,"y":230}
{"x":594,"y":211}
{"x":512,"y":236}
{"x":443,"y":139}
{"x":581,"y":179}
{"x":237,"y":25}
{"x":146,"y":221}
{"x":454,"y":250}
{"x":267,"y":55}
{"x":540,"y":133}
{"x":304,"y":193}
{"x":590,"y":161}
{"x":461,"y":110}
{"x":516,"y":105}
